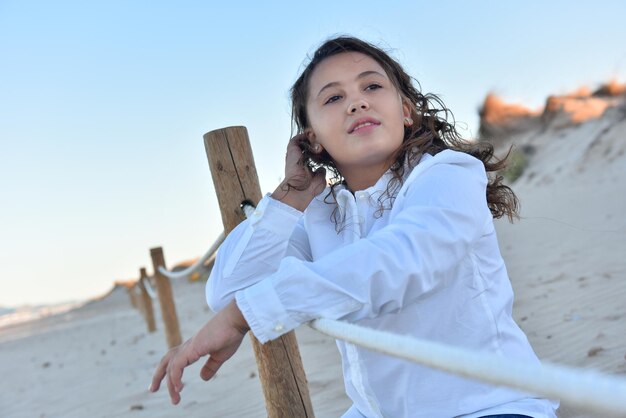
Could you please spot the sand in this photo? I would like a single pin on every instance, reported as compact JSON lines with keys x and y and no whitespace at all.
{"x":566,"y":258}
{"x":98,"y":361}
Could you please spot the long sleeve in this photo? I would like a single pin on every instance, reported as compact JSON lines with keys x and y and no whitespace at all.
{"x":254,"y":250}
{"x":431,"y":228}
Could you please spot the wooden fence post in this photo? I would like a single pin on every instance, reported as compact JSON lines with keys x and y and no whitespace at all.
{"x":148,"y":311}
{"x":166,"y":299}
{"x":132,"y":294}
{"x":235,"y":179}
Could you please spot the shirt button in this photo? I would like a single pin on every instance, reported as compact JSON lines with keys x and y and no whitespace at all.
{"x":278,"y":327}
{"x":257,"y":213}
{"x":362,"y":195}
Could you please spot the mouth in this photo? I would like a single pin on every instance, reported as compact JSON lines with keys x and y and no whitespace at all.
{"x":362,"y":124}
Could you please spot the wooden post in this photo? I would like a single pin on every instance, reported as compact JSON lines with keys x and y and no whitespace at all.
{"x":132,"y":294}
{"x":235,"y":178}
{"x":166,"y":299}
{"x":148,"y":311}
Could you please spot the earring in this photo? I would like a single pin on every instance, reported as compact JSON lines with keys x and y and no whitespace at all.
{"x":408,"y":121}
{"x":316,"y":148}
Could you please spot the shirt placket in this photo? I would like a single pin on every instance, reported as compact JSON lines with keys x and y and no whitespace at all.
{"x":362,"y":200}
{"x":358,"y":207}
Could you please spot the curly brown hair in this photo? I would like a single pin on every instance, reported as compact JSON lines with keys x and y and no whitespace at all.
{"x":430,"y":133}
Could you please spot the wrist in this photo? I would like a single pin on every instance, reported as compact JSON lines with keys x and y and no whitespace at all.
{"x":297,"y":199}
{"x":236,"y":318}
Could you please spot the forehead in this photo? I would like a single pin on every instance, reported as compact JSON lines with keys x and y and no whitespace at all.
{"x":342,"y":67}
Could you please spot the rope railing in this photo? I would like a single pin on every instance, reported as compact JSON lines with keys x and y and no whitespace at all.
{"x":149,"y":288}
{"x":247,"y":209}
{"x":198,"y":266}
{"x":586,"y":389}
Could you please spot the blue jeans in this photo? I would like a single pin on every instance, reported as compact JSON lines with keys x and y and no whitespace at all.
{"x":506,"y":416}
{"x":353,"y":412}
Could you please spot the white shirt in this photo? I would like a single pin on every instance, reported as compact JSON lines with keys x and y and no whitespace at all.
{"x":428,"y":267}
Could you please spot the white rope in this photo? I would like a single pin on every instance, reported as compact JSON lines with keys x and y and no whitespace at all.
{"x":148,"y":286}
{"x":248,"y":209}
{"x":580,"y":388}
{"x":198,"y":265}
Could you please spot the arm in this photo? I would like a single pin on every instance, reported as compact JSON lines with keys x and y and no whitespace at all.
{"x":443,"y":213}
{"x":255,"y":248}
{"x":251,"y":251}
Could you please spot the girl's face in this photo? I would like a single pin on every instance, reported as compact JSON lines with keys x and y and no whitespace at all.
{"x":357,"y":115}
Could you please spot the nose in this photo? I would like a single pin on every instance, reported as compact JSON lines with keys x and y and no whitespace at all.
{"x":358,"y":105}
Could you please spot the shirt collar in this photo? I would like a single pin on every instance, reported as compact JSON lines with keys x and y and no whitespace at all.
{"x":344,"y":195}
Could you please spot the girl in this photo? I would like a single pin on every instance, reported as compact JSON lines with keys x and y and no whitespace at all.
{"x":403,"y":240}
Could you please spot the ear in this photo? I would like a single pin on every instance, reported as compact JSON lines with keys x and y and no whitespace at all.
{"x":406,"y":109}
{"x":316,"y":148}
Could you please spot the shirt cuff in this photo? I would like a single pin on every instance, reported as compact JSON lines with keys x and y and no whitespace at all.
{"x":264,"y":312}
{"x":276,"y":216}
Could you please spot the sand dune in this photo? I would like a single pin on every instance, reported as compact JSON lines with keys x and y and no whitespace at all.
{"x":566,"y":255}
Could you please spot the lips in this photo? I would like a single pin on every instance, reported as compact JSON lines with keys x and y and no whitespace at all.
{"x":361,"y":123}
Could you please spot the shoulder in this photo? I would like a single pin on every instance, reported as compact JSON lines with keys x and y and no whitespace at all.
{"x":447,"y":162}
{"x":450,"y":176}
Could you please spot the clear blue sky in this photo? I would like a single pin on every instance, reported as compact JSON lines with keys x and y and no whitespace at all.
{"x":103,"y":105}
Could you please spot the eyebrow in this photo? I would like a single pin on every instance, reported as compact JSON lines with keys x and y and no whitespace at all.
{"x":336,"y":83}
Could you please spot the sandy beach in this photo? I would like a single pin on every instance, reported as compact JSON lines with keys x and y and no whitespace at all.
{"x":97,"y":361}
{"x":565,"y":258}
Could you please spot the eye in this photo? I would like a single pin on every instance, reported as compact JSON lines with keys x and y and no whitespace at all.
{"x":332,"y":99}
{"x":373,"y":86}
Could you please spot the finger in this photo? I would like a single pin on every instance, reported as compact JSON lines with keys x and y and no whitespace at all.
{"x":210,"y":368}
{"x":296,"y":143}
{"x":175,"y":371}
{"x":159,"y":373}
{"x":174,"y":395}
{"x":298,"y":137}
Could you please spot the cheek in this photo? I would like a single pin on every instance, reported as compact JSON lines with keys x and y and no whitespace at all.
{"x":398,"y":116}
{"x":325,"y":129}
{"x":398,"y":128}
{"x":317,"y":121}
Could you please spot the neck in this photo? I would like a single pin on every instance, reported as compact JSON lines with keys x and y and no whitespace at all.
{"x":360,"y":178}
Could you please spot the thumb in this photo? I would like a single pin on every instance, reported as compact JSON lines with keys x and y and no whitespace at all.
{"x":210,"y":368}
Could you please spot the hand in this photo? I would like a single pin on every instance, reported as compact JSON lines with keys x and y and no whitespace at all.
{"x":301,"y":184}
{"x":219,"y":338}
